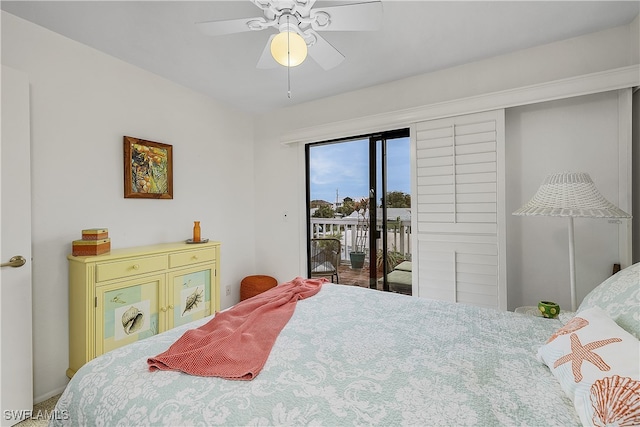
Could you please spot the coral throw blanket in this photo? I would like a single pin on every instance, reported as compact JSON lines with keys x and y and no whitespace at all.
{"x":235,"y":344}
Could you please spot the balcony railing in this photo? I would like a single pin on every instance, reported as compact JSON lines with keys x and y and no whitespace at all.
{"x":346,"y":229}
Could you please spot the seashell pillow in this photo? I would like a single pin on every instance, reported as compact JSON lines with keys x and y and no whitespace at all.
{"x":619,"y":296}
{"x":598,"y":365}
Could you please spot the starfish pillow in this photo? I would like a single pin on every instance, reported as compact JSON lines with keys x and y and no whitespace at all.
{"x":598,"y":366}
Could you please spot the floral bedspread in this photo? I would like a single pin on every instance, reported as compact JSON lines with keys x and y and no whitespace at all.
{"x":348,"y":356}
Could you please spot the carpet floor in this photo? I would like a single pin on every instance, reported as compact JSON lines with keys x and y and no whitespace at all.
{"x":41,"y":412}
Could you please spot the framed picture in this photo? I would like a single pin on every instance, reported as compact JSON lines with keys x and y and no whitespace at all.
{"x":148,"y":169}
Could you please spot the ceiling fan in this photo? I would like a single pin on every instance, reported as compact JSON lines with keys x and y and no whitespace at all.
{"x":298,"y":20}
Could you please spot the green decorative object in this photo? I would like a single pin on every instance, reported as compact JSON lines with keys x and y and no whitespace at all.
{"x":549,"y":309}
{"x":357,"y":260}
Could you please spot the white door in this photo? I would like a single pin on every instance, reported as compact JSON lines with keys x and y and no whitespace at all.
{"x":16,"y":365}
{"x":460,"y":224}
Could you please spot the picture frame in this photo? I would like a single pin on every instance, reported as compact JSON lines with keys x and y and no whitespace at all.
{"x":148,"y":169}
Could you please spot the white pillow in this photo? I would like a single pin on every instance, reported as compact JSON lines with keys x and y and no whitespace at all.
{"x":619,"y":297}
{"x":598,"y":365}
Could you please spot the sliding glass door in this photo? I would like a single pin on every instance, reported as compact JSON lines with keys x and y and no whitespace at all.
{"x":359,"y":210}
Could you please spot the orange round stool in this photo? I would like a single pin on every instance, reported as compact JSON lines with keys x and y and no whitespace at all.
{"x":254,"y":285}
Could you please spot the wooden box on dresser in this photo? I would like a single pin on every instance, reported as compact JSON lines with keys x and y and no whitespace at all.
{"x":133,"y":293}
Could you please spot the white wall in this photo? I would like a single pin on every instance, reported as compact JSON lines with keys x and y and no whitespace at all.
{"x":636,"y":175}
{"x":577,"y":135}
{"x":634,"y":28}
{"x":280,"y":172}
{"x":82,"y":104}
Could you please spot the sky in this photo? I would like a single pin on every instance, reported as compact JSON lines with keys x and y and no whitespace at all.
{"x":344,"y":166}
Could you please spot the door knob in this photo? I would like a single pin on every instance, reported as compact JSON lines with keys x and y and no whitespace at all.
{"x":16,"y":261}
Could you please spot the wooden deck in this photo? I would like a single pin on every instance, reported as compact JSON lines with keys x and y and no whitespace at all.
{"x":351,"y":277}
{"x":357,"y":277}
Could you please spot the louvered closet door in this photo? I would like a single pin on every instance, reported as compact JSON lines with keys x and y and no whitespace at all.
{"x":460,"y":209}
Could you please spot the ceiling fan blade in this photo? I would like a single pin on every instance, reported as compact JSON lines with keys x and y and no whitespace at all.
{"x":349,"y":17}
{"x":266,"y":61}
{"x":323,"y":53}
{"x":219,"y":28}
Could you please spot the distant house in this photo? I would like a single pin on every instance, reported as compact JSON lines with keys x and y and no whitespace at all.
{"x":404,"y":214}
{"x":393,"y":214}
{"x":340,"y":202}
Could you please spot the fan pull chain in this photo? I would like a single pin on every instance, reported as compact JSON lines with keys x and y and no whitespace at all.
{"x":288,"y":61}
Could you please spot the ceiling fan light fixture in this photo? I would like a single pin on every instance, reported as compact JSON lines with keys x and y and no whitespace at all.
{"x":288,"y":48}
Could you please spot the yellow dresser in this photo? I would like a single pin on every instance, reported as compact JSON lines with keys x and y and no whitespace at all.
{"x":131,"y":294}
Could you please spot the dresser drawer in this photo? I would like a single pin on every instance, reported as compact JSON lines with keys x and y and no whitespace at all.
{"x":130,"y":267}
{"x":191,"y":257}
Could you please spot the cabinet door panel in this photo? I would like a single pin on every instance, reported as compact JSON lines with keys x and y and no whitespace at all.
{"x":190,"y":294}
{"x":128,"y":312}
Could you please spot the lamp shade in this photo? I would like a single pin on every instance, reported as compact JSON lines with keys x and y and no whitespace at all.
{"x":288,"y":48}
{"x":571,"y":195}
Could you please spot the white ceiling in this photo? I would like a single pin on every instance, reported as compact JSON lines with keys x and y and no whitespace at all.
{"x":416,"y":37}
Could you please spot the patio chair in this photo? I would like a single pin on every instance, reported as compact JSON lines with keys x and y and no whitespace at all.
{"x":399,"y":279}
{"x":325,"y":257}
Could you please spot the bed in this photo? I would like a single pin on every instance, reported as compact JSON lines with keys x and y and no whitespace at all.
{"x":356,"y":356}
